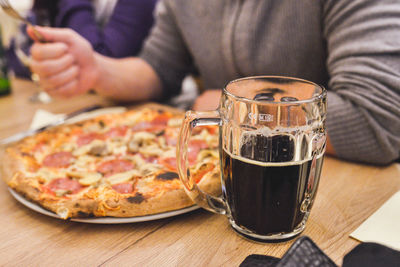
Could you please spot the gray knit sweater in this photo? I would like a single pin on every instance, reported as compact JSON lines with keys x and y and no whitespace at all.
{"x":352,"y":47}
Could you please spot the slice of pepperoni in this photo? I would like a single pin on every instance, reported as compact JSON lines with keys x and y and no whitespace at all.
{"x":201,"y":144}
{"x":141,"y":126}
{"x":150,"y":159}
{"x":169,"y":163}
{"x":85,"y":139}
{"x":194,"y":148}
{"x":123,"y":188}
{"x":211,"y":129}
{"x":161,"y":119}
{"x":171,"y":141}
{"x":148,"y":127}
{"x":58,"y":160}
{"x":115,"y":166}
{"x":65,"y":184}
{"x":192,"y":154}
{"x":117,"y":131}
{"x":205,"y":168}
{"x":157,"y":124}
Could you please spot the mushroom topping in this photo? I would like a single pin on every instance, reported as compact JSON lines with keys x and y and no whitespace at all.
{"x":98,"y":148}
{"x":122,"y":177}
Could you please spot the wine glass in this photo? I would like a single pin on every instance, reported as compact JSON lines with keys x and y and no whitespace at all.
{"x":22,"y":42}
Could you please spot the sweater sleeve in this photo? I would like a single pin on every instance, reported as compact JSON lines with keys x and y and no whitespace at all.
{"x":166,"y":51}
{"x":124,"y":33}
{"x":363,"y":41}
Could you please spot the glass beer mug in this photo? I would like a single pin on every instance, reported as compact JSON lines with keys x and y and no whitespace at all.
{"x":272,"y":140}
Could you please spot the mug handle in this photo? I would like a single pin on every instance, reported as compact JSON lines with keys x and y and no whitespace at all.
{"x":192,"y":120}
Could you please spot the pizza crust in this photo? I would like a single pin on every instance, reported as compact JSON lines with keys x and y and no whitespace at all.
{"x":168,"y":201}
{"x":74,"y":207}
{"x":10,"y":164}
{"x":83,"y":207}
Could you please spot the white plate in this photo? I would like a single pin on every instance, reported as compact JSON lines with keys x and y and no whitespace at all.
{"x":104,"y":220}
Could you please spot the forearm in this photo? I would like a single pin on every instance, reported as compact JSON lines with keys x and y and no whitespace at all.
{"x":363,"y":96}
{"x":128,"y":79}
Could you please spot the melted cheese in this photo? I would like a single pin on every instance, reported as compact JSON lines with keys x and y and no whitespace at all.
{"x":122,"y":177}
{"x":89,"y":148}
{"x":149,"y":168}
{"x":85,"y":178}
{"x":152,"y":150}
{"x":175,"y":122}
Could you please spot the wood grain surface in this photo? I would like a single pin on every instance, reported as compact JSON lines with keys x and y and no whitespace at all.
{"x":348,"y":194}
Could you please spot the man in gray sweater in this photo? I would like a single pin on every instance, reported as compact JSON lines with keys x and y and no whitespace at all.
{"x":352,"y":47}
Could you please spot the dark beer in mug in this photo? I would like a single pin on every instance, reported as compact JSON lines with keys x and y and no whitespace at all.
{"x":265,"y":193}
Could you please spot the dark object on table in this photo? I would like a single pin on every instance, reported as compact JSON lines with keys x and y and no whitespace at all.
{"x":256,"y":260}
{"x":303,"y":253}
{"x":5,"y":87}
{"x":372,"y":255}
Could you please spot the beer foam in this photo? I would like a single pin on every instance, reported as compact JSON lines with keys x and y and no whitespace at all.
{"x":298,"y":135}
{"x":279,"y":130}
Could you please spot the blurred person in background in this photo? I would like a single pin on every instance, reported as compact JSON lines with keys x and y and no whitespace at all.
{"x":114,"y":28}
{"x":351,"y":47}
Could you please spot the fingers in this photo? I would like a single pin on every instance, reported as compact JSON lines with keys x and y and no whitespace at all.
{"x":52,"y":66}
{"x":63,"y":35}
{"x":67,"y":90}
{"x":32,"y":33}
{"x":60,"y":79}
{"x":43,"y":51}
{"x":55,"y":67}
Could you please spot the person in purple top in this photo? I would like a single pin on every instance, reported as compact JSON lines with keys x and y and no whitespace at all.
{"x":114,"y":28}
{"x":117,"y":34}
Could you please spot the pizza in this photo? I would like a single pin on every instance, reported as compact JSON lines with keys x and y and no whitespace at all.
{"x":118,"y":165}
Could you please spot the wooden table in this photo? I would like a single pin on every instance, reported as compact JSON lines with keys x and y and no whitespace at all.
{"x":348,"y":194}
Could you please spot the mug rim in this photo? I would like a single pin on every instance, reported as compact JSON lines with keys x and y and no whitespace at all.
{"x":263,"y":102}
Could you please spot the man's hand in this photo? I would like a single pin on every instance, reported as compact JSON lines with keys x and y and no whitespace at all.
{"x":66,"y":63}
{"x":209,"y":100}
